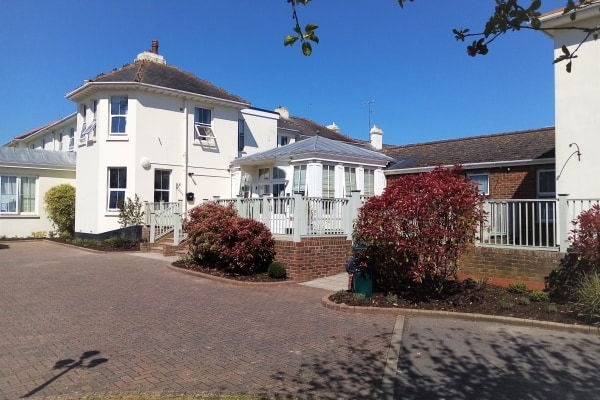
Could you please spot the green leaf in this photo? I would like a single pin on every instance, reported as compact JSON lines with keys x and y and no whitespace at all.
{"x":536,"y":23}
{"x":569,"y":67}
{"x":289,"y":40}
{"x":310,"y":27}
{"x":313,"y":37}
{"x":306,"y":49}
{"x":565,"y":50}
{"x":535,"y":5}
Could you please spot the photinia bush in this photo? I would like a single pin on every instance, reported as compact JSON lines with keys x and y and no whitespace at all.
{"x":586,"y":235}
{"x":416,"y":230}
{"x":219,"y":238}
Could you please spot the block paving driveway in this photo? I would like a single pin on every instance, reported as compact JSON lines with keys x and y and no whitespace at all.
{"x":74,"y":322}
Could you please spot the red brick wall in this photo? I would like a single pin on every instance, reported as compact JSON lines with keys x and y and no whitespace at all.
{"x":313,"y":258}
{"x":503,"y":266}
{"x":509,"y":182}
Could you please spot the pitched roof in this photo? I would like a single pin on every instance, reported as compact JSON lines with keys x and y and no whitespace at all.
{"x":536,"y":144}
{"x":316,"y":146}
{"x":45,"y":126}
{"x":30,"y":158}
{"x":308,"y":128}
{"x":167,"y":76}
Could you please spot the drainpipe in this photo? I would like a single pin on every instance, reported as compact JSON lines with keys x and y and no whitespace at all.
{"x":186,"y":158}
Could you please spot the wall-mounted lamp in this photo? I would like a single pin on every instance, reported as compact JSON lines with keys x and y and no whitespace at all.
{"x":577,"y":151}
{"x":145,"y":163}
{"x":190,"y":174}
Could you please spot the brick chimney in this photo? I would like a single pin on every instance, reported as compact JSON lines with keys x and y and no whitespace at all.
{"x":151,"y":55}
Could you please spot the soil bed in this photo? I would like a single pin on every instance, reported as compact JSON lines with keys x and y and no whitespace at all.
{"x":261,"y":277}
{"x":471,"y":297}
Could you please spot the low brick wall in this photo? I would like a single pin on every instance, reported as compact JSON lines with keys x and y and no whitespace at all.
{"x":314,"y":257}
{"x":503,"y":266}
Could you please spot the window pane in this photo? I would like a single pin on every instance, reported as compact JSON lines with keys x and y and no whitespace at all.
{"x":8,"y":194}
{"x":118,"y":124}
{"x":118,"y":105}
{"x":328,"y":181}
{"x":350,"y":179}
{"x":202,"y":116}
{"x":278,"y":173}
{"x":299,"y":184}
{"x":116,"y":197}
{"x":483,"y":182}
{"x":546,"y":181}
{"x":27,"y":203}
{"x":369,"y":188}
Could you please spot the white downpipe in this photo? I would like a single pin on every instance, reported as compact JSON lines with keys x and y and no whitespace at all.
{"x":186,"y":158}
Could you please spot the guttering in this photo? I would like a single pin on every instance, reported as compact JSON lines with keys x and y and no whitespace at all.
{"x":37,"y":166}
{"x":492,"y":164}
{"x":90,"y":86}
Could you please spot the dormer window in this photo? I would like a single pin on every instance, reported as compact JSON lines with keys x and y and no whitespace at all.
{"x":118,"y":115}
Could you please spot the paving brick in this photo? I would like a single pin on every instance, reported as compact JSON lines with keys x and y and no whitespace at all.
{"x":162,"y":331}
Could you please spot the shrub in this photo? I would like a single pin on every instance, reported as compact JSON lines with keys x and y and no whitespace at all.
{"x":60,"y":206}
{"x":586,"y":235}
{"x":538,"y":295}
{"x":130,"y":212}
{"x":524,"y":300}
{"x":588,"y":295}
{"x":416,"y":230}
{"x":563,"y":282}
{"x":517,"y":288}
{"x":116,"y":242}
{"x":221,"y":239}
{"x":276,"y":270}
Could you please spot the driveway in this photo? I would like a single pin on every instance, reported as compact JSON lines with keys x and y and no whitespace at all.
{"x":74,"y":322}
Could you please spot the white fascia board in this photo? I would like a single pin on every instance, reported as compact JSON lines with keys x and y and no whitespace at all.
{"x":260,"y":113}
{"x":557,"y":18}
{"x":90,"y":87}
{"x":335,"y":159}
{"x":497,"y":164}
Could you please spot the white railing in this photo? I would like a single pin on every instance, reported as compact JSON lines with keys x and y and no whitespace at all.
{"x":164,"y":218}
{"x":301,"y":216}
{"x":542,"y":224}
{"x":522,"y":223}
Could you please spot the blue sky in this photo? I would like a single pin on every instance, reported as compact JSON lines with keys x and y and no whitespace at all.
{"x":424,"y":85}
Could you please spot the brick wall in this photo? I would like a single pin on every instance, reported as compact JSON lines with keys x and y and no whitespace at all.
{"x":518,"y":182}
{"x":313,"y":257}
{"x":503,"y":266}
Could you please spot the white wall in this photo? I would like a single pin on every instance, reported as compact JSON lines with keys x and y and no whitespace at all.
{"x":25,"y":225}
{"x":577,"y":116}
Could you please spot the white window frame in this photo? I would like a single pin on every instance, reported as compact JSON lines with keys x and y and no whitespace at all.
{"x":473,"y":176}
{"x":282,"y":140}
{"x":369,"y":182}
{"x":118,"y":114}
{"x":350,"y":179}
{"x":299,"y":181}
{"x":19,"y":195}
{"x":328,"y":177}
{"x":241,"y":134}
{"x":110,"y":190}
{"x":203,"y":131}
{"x":545,"y":195}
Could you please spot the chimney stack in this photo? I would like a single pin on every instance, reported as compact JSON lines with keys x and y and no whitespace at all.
{"x":283,"y":112}
{"x":155,"y":46}
{"x":376,"y":137}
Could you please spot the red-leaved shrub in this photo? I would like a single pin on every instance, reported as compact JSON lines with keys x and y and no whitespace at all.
{"x":416,"y":230}
{"x":586,"y":235}
{"x":219,"y":238}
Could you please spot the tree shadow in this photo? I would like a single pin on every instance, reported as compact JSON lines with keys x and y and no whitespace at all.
{"x":467,"y":365}
{"x":86,"y":360}
{"x":355,"y":371}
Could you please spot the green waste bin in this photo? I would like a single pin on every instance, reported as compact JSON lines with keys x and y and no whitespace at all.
{"x":363,"y":284}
